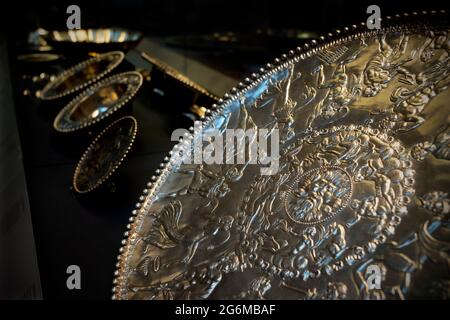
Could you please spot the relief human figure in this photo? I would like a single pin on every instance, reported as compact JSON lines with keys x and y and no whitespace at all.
{"x":342,"y":89}
{"x":287,"y":104}
{"x":438,"y":147}
{"x":257,"y":289}
{"x":385,"y":65}
{"x":213,"y":182}
{"x":437,"y":40}
{"x":318,"y":196}
{"x":167,"y":232}
{"x":285,"y":107}
{"x":409,"y":104}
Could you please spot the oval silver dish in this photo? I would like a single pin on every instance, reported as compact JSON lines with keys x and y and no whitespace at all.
{"x":104,"y":155}
{"x":81,"y":75}
{"x":98,"y":101}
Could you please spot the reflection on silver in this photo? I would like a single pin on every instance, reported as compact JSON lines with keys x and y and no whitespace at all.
{"x":363,"y":182}
{"x":98,"y":102}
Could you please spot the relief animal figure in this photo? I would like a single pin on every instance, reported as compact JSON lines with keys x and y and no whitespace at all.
{"x":198,"y":285}
{"x":171,"y":237}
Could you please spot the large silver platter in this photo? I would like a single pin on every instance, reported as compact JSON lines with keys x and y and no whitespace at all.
{"x":81,"y":75}
{"x":98,"y":101}
{"x":359,"y":207}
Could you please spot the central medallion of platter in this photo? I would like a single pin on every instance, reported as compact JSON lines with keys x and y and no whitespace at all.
{"x":334,"y":185}
{"x":318,"y":195}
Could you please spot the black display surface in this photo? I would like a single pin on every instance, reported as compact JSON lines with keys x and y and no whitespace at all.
{"x":19,"y":273}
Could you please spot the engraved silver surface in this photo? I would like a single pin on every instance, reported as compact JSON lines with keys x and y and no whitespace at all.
{"x":363,"y":183}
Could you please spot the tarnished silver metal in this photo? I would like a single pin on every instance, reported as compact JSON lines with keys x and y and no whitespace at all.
{"x":81,"y":75}
{"x":98,"y":101}
{"x":359,"y":208}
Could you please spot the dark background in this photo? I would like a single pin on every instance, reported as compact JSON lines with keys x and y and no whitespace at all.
{"x":168,"y":17}
{"x":86,"y":231}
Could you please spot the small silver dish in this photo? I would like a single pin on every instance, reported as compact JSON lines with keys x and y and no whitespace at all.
{"x":98,"y":101}
{"x":81,"y":75}
{"x":104,"y":155}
